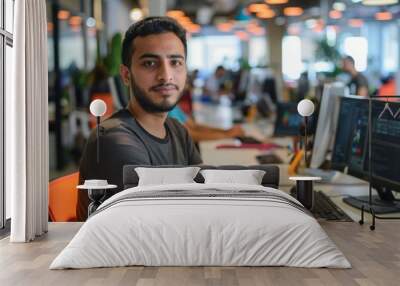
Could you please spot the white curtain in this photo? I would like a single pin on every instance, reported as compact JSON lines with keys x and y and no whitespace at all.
{"x":27,"y":123}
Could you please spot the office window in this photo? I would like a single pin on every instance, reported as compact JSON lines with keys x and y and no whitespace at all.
{"x":9,"y":12}
{"x":258,"y":54}
{"x":6,"y":43}
{"x":207,"y":52}
{"x":357,"y":47}
{"x":195,"y":58}
{"x":292,"y":65}
{"x":390,"y":48}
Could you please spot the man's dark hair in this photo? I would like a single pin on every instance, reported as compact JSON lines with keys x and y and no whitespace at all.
{"x":350,"y":59}
{"x":150,"y":26}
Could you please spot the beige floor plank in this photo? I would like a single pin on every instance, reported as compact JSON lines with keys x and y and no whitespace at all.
{"x":375,"y":257}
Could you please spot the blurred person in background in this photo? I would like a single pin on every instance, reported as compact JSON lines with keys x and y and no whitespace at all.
{"x":214,"y":83}
{"x":388,"y":87}
{"x":303,"y":86}
{"x":358,"y":84}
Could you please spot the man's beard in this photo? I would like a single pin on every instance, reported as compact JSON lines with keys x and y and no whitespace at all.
{"x":147,"y":104}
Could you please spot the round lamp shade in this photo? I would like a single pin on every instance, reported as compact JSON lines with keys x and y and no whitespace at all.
{"x":98,"y":107}
{"x":305,"y":107}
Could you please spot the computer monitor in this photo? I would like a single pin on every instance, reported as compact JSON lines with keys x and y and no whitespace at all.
{"x":385,"y":146}
{"x":288,"y":120}
{"x":351,"y":127}
{"x":327,"y":122}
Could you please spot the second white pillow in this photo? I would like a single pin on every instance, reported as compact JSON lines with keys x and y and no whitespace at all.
{"x":248,"y":177}
{"x":162,"y":176}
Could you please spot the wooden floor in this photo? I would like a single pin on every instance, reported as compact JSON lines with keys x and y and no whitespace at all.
{"x":375,"y":257}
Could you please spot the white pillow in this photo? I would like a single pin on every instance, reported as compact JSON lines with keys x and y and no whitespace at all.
{"x":248,"y":177}
{"x":162,"y":176}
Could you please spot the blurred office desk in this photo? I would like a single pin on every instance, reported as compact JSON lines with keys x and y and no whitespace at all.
{"x":215,"y":115}
{"x":336,"y":192}
{"x":222,"y":116}
{"x":213,"y":156}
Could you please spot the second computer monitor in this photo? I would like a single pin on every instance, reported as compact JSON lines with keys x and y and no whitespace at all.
{"x":351,"y":133}
{"x":327,"y":122}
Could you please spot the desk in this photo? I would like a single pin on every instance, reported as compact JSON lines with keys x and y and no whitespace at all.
{"x":213,"y":156}
{"x":222,"y":116}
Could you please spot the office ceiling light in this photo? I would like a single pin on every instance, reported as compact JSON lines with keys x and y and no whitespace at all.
{"x":225,"y":27}
{"x":340,"y":6}
{"x":379,"y":2}
{"x":266,"y":14}
{"x":383,"y":16}
{"x":275,"y":2}
{"x":255,"y":30}
{"x":335,"y":14}
{"x":75,"y":21}
{"x":136,"y":14}
{"x":50,"y":27}
{"x":355,"y":23}
{"x":252,"y":24}
{"x":193,"y":28}
{"x":184,"y":20}
{"x":257,"y":7}
{"x":175,"y":13}
{"x":293,"y":11}
{"x":63,"y":15}
{"x":242,"y":35}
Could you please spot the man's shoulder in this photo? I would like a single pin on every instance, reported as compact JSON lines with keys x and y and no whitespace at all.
{"x":175,"y":125}
{"x":361,"y":78}
{"x":118,"y":120}
{"x":121,"y":125}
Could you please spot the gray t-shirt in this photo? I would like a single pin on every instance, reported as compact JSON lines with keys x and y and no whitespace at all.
{"x":123,"y":141}
{"x":356,"y":83}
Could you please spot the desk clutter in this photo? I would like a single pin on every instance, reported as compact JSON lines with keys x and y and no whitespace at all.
{"x":249,"y":143}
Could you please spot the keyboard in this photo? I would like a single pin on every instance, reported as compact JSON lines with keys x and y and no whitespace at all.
{"x":268,"y":159}
{"x":248,"y":140}
{"x":324,"y":208}
{"x":326,"y":175}
{"x":332,"y":177}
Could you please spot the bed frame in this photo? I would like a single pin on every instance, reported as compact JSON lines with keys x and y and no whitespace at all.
{"x":270,"y":179}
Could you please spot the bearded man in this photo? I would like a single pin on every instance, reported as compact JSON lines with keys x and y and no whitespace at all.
{"x":154,"y":67}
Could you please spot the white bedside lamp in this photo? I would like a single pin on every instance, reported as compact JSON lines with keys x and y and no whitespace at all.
{"x":305,"y":109}
{"x":98,"y":108}
{"x":304,"y":185}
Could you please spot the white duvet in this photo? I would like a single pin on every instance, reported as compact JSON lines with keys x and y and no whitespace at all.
{"x":188,"y":231}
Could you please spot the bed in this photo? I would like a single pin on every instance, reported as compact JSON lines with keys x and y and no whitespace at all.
{"x":201,"y":224}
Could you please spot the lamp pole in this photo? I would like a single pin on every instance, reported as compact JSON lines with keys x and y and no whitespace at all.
{"x":305,"y":140}
{"x":305,"y":109}
{"x":98,"y":108}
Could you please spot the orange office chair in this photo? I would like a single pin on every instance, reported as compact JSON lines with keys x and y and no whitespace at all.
{"x":63,"y":198}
